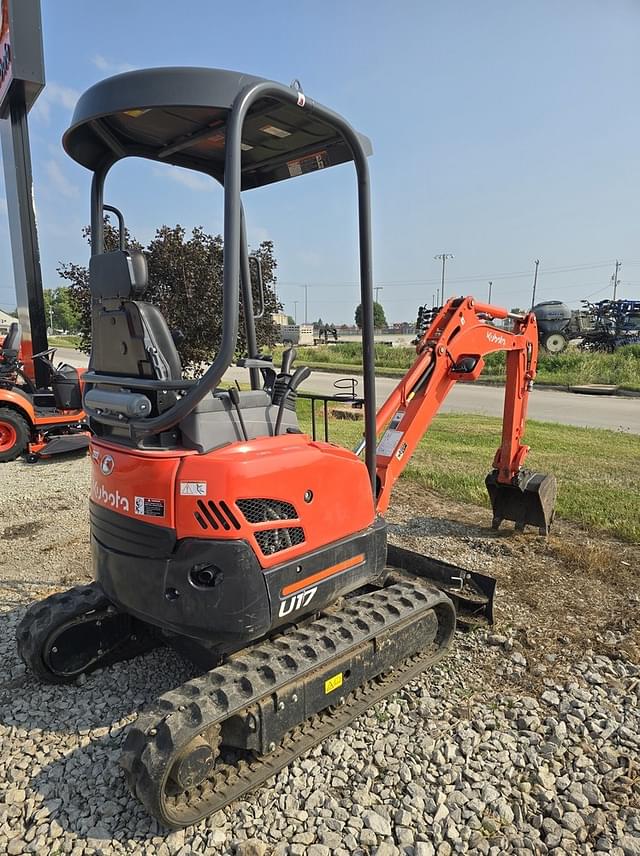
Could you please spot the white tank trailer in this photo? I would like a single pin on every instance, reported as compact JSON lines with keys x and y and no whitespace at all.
{"x":553,"y":319}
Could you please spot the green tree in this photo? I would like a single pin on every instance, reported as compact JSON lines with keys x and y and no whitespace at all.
{"x":185,"y":282}
{"x":291,"y":319}
{"x":379,"y":319}
{"x":60,"y":310}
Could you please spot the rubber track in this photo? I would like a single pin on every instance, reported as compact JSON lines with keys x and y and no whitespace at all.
{"x":158,"y":736}
{"x":45,"y":616}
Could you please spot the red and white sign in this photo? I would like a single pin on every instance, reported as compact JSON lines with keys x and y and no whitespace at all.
{"x":6,"y":69}
{"x":21,"y":53}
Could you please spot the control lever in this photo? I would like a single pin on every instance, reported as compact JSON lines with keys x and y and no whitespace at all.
{"x":266,"y":370}
{"x":288,"y":358}
{"x":293,"y":383}
{"x":235,"y":400}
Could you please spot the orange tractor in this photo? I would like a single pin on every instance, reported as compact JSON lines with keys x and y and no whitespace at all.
{"x":218,"y":525}
{"x":38,"y":421}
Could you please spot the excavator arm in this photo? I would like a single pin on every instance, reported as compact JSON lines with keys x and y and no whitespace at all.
{"x":452,"y":346}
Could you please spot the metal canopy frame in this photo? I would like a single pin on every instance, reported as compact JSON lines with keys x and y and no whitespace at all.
{"x":99,"y":137}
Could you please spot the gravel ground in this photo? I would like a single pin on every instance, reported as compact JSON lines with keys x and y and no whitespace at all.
{"x":524,"y":740}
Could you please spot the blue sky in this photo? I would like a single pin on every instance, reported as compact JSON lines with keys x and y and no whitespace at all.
{"x":503,"y":131}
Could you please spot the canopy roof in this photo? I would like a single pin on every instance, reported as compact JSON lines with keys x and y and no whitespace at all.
{"x":179,"y":116}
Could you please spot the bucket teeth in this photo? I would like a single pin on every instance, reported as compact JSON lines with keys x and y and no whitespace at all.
{"x":530,"y":501}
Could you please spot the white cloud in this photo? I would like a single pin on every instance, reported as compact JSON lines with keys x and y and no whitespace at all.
{"x":104,"y":64}
{"x":192,"y":180}
{"x":258,"y":234}
{"x":55,"y":95}
{"x":59,"y":181}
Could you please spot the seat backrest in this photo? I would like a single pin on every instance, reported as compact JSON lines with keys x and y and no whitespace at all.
{"x":65,"y":385}
{"x":129,"y":336}
{"x":13,"y":338}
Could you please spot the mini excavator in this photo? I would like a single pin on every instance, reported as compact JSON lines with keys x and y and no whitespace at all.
{"x":217,"y":524}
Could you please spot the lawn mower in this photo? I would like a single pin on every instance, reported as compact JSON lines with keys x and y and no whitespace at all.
{"x":38,"y":421}
{"x":218,"y":525}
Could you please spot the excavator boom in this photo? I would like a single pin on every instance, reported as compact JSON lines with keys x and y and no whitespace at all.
{"x":452,"y":345}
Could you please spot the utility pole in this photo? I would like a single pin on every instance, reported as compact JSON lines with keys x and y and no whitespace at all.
{"x":295,"y":311}
{"x":490,"y":284}
{"x":377,"y":290}
{"x":433,"y":301}
{"x":306,"y":304}
{"x":614,"y":278}
{"x":535,"y":283}
{"x":51,"y":319}
{"x":443,"y":257}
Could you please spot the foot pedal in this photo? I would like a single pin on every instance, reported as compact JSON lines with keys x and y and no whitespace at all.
{"x":529,"y":502}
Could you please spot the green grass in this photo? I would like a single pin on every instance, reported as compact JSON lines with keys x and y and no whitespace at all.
{"x":597,"y":470}
{"x":64,"y":341}
{"x":571,"y":368}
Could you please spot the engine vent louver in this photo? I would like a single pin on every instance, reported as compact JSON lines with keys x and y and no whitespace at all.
{"x":211,"y":515}
{"x":264,"y":510}
{"x":273,"y":541}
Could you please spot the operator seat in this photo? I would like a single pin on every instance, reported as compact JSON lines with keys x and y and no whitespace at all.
{"x":11,"y":345}
{"x":130,"y":338}
{"x":9,"y":355}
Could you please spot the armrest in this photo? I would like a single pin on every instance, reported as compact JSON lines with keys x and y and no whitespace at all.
{"x":255,"y":362}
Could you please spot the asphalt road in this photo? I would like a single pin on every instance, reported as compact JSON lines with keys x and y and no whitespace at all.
{"x":586,"y":411}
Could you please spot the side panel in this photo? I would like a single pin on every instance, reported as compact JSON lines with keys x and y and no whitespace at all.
{"x":287,"y":496}
{"x":137,"y":485}
{"x":317,"y":579}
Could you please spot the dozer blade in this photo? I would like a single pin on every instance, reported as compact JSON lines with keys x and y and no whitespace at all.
{"x":529,"y":502}
{"x":472,"y":593}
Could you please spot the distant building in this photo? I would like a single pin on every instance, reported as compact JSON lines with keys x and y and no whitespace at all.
{"x":280,"y":318}
{"x":6,"y":321}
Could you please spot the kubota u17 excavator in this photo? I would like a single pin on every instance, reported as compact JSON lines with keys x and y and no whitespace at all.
{"x":217,"y":524}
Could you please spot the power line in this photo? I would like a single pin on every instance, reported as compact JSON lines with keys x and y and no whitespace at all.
{"x":552,"y":271}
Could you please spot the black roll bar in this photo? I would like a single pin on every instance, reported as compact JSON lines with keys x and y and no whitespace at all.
{"x":111,"y":209}
{"x":247,"y":301}
{"x":233,"y":275}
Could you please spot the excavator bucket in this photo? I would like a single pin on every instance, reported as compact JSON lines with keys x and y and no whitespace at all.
{"x":530,"y":502}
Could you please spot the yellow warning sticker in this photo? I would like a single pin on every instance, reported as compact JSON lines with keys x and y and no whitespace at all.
{"x":135,"y":114}
{"x":333,"y":683}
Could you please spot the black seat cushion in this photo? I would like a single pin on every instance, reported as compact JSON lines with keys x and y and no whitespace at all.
{"x":11,"y":344}
{"x":122,"y":275}
{"x":65,"y":384}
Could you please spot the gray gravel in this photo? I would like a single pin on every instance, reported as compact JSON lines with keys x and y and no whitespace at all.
{"x":460,"y":761}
